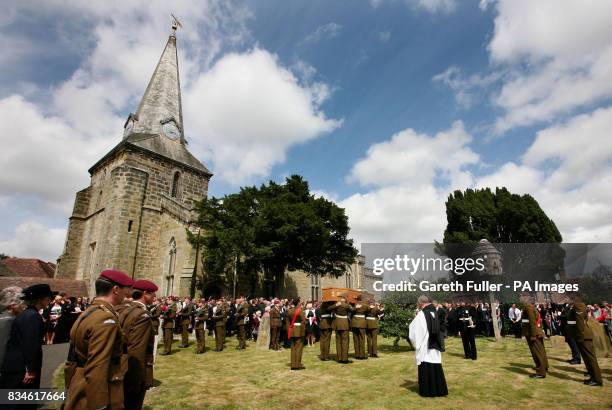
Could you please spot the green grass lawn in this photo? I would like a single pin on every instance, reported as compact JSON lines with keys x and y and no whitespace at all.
{"x":236,"y":379}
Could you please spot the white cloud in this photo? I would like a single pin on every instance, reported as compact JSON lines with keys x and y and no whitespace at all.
{"x":326,"y":31}
{"x":568,"y":169}
{"x":467,"y":90}
{"x":384,"y":36}
{"x":31,"y":239}
{"x":435,"y":6}
{"x":412,"y":175}
{"x":248,"y":109}
{"x":559,"y":57}
{"x":43,"y":156}
{"x":412,"y":159}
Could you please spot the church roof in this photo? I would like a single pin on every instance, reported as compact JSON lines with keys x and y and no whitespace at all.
{"x":160,"y":104}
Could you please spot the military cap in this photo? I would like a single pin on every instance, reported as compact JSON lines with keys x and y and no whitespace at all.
{"x":117,"y":277}
{"x":145,"y":285}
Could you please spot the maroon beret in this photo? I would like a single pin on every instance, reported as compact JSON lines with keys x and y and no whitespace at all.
{"x":117,"y":277}
{"x":145,"y":285}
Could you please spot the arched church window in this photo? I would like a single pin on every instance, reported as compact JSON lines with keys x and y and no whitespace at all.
{"x":175,"y":184}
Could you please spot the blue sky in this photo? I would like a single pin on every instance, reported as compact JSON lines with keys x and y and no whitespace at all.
{"x":384,"y":106}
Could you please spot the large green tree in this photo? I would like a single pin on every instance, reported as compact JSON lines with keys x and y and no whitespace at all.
{"x":271,"y":229}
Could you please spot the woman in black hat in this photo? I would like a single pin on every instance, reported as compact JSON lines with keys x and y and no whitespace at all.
{"x":23,"y":359}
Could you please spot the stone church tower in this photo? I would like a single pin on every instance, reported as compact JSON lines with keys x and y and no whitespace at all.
{"x":135,"y":212}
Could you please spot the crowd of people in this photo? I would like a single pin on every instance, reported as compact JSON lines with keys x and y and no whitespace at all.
{"x":124,"y":317}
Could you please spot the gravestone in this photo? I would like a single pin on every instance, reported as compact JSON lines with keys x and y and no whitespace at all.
{"x":263,"y":336}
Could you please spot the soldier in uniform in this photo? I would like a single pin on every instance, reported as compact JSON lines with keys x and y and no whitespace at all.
{"x":168,"y":315}
{"x":96,"y":363}
{"x":466,"y":315}
{"x":184,"y":318}
{"x":219,"y":316}
{"x":531,"y":328}
{"x":155,"y":311}
{"x":569,"y":332}
{"x":201,"y":316}
{"x":584,"y":338}
{"x":325,"y":324}
{"x":341,"y":326}
{"x":139,"y":339}
{"x":297,"y":332}
{"x":358,"y":326}
{"x":372,"y":329}
{"x":242,"y":315}
{"x":275,"y":325}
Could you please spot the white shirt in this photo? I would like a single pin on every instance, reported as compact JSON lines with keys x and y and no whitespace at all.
{"x":515,"y":313}
{"x":419,"y":336}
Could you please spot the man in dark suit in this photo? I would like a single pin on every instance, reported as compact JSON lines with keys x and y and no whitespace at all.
{"x":23,"y":358}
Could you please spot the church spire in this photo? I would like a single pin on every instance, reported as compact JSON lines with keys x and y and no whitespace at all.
{"x":160,"y":111}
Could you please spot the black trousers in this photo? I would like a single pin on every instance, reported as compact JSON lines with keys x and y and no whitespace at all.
{"x":469,"y":343}
{"x":574,"y":347}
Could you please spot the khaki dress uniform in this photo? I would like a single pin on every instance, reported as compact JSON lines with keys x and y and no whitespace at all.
{"x":341,"y":326}
{"x":219,"y":317}
{"x":201,"y":316}
{"x":242,"y":313}
{"x":326,"y":329}
{"x":168,"y":327}
{"x":139,"y":338}
{"x":275,"y":327}
{"x":184,"y":319}
{"x":297,"y":333}
{"x":529,"y":329}
{"x":100,"y":362}
{"x":155,"y":311}
{"x":584,"y":338}
{"x":358,"y":325}
{"x":372,"y":331}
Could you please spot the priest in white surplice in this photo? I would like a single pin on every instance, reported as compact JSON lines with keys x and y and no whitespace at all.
{"x":425,"y":335}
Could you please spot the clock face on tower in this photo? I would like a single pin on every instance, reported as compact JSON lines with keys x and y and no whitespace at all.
{"x":171,"y":130}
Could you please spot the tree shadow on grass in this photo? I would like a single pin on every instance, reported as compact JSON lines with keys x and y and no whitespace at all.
{"x":411,"y":385}
{"x":557,"y":359}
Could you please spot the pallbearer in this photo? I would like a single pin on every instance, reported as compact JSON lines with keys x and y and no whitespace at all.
{"x":296,"y":333}
{"x":372,"y":329}
{"x":426,"y":338}
{"x":139,"y":338}
{"x":584,"y":338}
{"x":531,"y":328}
{"x":358,"y":325}
{"x":326,"y":329}
{"x":219,"y":317}
{"x":467,"y":328}
{"x":184,"y":319}
{"x":201,"y":316}
{"x":242,"y":315}
{"x":341,"y":326}
{"x":275,"y":325}
{"x":168,"y":315}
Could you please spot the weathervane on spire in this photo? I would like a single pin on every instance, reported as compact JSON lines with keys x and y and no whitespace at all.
{"x":175,"y":24}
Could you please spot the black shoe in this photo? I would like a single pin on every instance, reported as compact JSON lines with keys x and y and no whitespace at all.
{"x":593,"y":383}
{"x":585,"y":373}
{"x":536,"y":376}
{"x":574,"y":361}
{"x":374,"y":355}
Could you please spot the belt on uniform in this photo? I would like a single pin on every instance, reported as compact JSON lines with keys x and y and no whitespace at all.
{"x":464,"y":318}
{"x":297,"y":324}
{"x":370,"y":318}
{"x":525,"y":321}
{"x":358,"y":315}
{"x":328,"y":315}
{"x":571,"y":322}
{"x":341,"y":317}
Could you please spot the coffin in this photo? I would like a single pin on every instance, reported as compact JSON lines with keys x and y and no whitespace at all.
{"x":334,"y":295}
